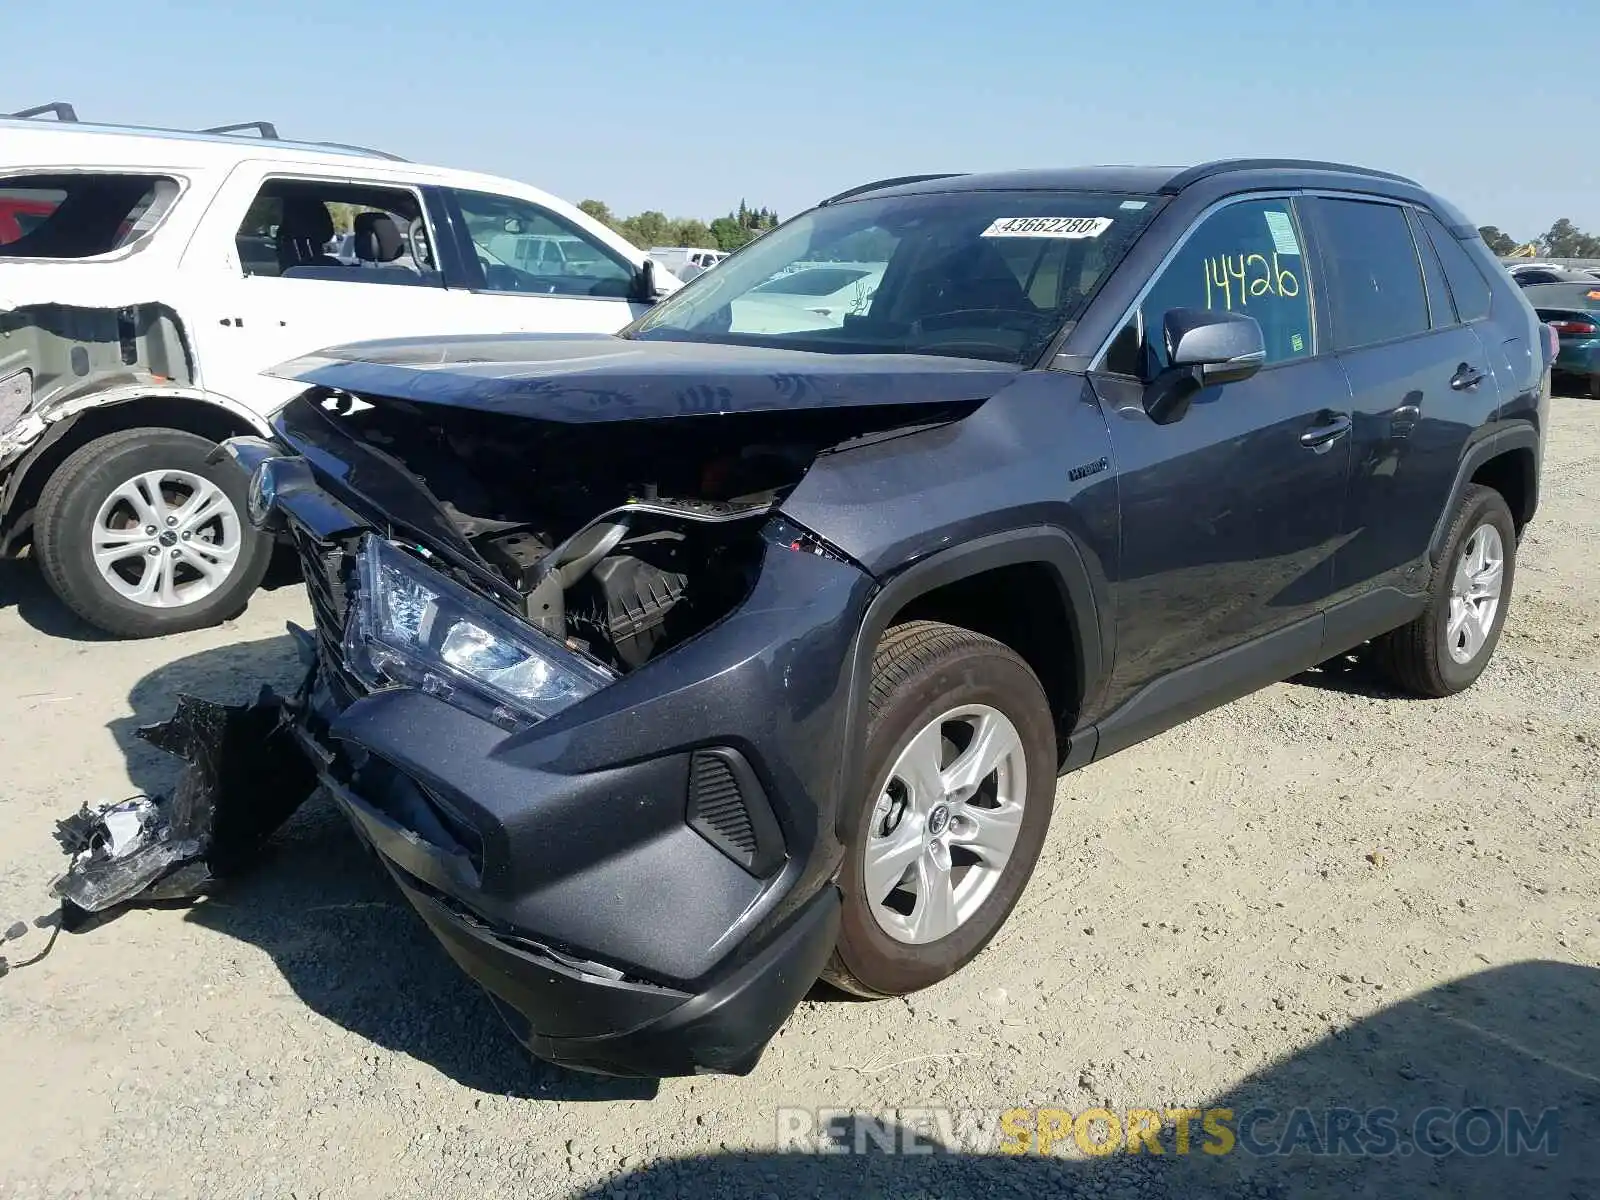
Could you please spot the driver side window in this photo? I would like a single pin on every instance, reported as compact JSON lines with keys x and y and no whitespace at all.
{"x":524,"y":249}
{"x":1244,"y":258}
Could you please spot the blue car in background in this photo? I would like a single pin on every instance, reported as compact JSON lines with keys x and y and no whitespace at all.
{"x":1573,"y":311}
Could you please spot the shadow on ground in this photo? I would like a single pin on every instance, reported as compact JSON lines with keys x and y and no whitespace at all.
{"x":319,"y":886}
{"x":1354,"y":674}
{"x":22,"y":587}
{"x":1449,"y":1072}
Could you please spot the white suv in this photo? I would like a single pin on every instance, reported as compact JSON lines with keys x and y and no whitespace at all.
{"x":149,"y":277}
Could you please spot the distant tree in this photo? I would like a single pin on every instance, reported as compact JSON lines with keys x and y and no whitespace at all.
{"x":1564,"y":240}
{"x":691,"y":231}
{"x":1499,"y":243}
{"x":646,"y":229}
{"x":730,"y":233}
{"x":653,"y":228}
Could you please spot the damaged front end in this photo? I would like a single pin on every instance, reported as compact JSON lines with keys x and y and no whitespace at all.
{"x":581,"y":683}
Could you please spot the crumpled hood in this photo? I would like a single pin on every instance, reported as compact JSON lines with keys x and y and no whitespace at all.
{"x":601,"y":378}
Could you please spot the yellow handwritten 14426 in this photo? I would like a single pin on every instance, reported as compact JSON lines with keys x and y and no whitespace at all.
{"x":1241,"y":276}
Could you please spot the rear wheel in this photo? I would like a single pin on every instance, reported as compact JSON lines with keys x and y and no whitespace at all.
{"x":1445,"y":649}
{"x":139,"y":535}
{"x":961,"y":771}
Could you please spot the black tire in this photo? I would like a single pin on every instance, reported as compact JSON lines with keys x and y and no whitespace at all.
{"x":923,"y":669}
{"x":64,"y":523}
{"x":1417,"y":657}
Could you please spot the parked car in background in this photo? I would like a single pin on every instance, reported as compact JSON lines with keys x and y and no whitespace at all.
{"x":686,"y":262}
{"x":1533,"y":274}
{"x":671,"y":671}
{"x":148,"y":278}
{"x":1573,"y":311}
{"x":813,"y":296}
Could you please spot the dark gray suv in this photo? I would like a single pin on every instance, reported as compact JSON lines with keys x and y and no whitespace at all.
{"x":671,"y":671}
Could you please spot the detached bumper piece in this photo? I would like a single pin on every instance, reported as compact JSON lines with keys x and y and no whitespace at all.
{"x":244,"y":777}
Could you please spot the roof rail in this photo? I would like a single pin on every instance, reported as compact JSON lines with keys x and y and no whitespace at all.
{"x":264,"y":129}
{"x":361,"y":150}
{"x":1223,"y":166}
{"x":59,"y":109}
{"x":888,"y":183}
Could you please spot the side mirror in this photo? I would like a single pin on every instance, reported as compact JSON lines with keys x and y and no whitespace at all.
{"x":647,"y":286}
{"x":1217,"y":347}
{"x":1204,"y":348}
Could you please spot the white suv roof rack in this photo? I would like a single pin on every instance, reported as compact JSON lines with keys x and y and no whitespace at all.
{"x":66,"y":114}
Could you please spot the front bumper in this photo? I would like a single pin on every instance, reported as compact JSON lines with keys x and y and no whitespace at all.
{"x":619,"y":924}
{"x":614,"y":1027}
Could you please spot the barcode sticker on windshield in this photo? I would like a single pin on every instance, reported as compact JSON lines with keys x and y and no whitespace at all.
{"x":1049,"y":227}
{"x":1282,"y":230}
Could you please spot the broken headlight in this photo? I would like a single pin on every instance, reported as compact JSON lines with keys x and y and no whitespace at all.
{"x":416,"y":628}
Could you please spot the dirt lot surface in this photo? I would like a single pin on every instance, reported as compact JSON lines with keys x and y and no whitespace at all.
{"x":1322,"y":895}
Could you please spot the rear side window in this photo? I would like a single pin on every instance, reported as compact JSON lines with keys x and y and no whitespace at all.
{"x":80,"y":215}
{"x":336,"y":233}
{"x":1374,"y":282}
{"x":1467,"y":284}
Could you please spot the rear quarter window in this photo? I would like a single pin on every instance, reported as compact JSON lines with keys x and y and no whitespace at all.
{"x":1468,"y":287}
{"x":80,"y":215}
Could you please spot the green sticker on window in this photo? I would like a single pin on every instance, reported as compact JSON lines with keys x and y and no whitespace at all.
{"x":1297,"y":343}
{"x":1282,"y":230}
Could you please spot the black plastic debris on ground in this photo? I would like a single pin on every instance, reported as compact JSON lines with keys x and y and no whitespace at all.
{"x":245,"y":776}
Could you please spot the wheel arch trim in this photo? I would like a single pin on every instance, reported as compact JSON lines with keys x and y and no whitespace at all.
{"x":1045,"y":546}
{"x":1521,"y":436}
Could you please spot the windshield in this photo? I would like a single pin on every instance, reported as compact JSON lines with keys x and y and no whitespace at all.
{"x":989,"y":275}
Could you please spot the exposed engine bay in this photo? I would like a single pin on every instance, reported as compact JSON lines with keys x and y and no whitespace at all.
{"x":626,"y":538}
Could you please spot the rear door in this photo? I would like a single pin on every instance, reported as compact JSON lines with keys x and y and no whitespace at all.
{"x":1421,"y":380}
{"x":272,"y":294}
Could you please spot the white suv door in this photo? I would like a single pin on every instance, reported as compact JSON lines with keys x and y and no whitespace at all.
{"x":280,"y":293}
{"x":534,"y":271}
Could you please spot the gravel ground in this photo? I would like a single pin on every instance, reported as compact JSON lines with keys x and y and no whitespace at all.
{"x":1321,"y":895}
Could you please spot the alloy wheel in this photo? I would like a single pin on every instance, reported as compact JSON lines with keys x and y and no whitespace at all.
{"x":165,"y":539}
{"x":945,"y":824}
{"x":1475,"y":593}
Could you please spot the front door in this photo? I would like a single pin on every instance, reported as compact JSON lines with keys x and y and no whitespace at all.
{"x":530,"y":271}
{"x":1231,"y":513}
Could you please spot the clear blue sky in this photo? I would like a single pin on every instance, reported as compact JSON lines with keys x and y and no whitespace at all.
{"x":689,"y":105}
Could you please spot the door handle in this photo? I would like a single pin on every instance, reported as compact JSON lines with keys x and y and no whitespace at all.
{"x":1466,"y":378}
{"x":1321,"y":438}
{"x":1403,"y":419}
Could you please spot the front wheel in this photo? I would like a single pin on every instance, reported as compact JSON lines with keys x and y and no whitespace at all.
{"x":140,"y":536}
{"x":961,"y":774}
